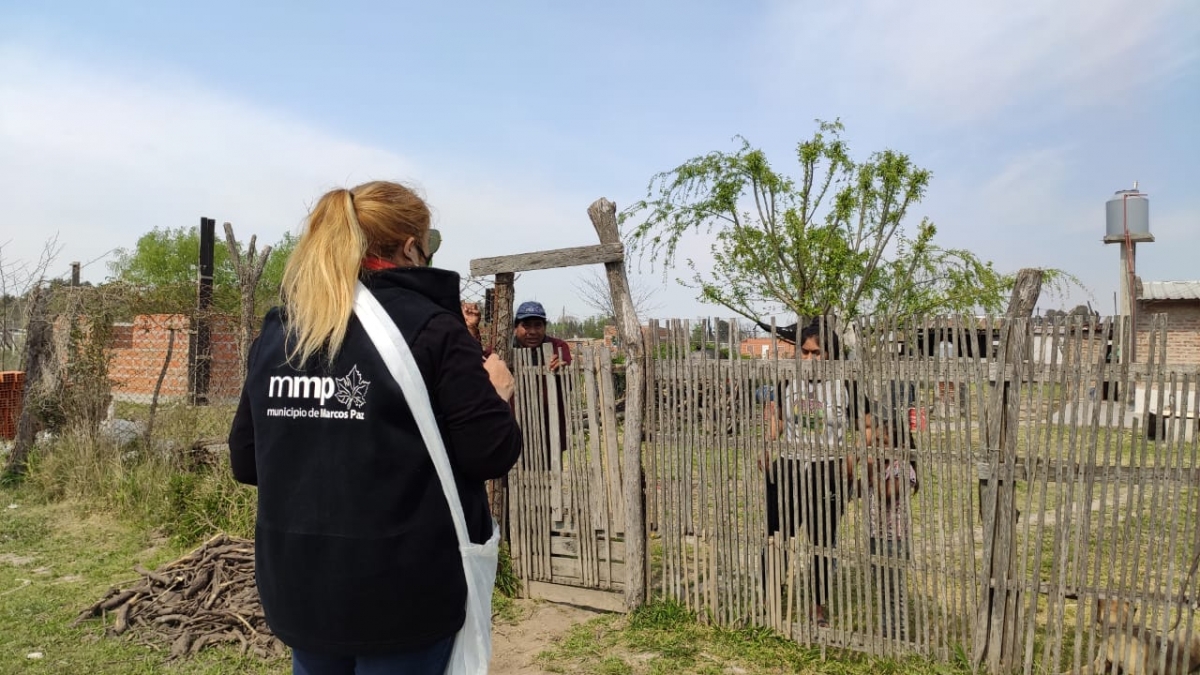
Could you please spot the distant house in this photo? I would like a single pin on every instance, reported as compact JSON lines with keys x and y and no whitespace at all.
{"x":660,"y":336}
{"x":1179,"y":301}
{"x":612,"y":340}
{"x":766,"y":348}
{"x":578,"y":343}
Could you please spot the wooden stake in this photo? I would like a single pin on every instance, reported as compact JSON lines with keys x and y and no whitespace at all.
{"x":997,"y":601}
{"x":603,"y":214}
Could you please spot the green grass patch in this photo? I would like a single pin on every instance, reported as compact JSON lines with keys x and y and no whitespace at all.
{"x":56,"y":558}
{"x":663,"y":637}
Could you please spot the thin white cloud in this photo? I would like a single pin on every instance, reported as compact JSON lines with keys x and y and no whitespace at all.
{"x":101,"y":156}
{"x":1025,"y":215}
{"x":1029,"y":192}
{"x":969,"y":61}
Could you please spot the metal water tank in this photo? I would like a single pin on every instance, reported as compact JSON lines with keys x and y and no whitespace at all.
{"x":1128,"y":208}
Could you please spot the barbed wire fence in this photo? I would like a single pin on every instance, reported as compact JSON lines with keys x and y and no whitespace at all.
{"x":129,"y":363}
{"x":128,"y":366}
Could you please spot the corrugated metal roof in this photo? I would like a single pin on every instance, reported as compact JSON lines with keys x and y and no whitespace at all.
{"x":1171,"y":290}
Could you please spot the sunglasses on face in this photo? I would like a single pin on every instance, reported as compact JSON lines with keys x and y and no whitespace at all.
{"x":434,"y":243}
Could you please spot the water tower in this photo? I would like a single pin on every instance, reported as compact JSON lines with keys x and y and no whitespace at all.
{"x":1128,"y":224}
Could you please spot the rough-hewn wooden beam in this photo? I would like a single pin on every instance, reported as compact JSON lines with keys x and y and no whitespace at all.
{"x":603,"y":214}
{"x":610,"y":252}
{"x":998,"y":609}
{"x":37,"y":357}
{"x":249,"y":269}
{"x":502,"y":318}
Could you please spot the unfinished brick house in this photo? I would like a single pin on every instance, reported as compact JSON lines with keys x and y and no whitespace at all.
{"x":1180,"y":302}
{"x":140,"y":349}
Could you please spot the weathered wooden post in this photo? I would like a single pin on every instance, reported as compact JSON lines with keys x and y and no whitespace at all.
{"x":249,"y":269}
{"x":505,"y":269}
{"x":502,"y":346}
{"x":39,"y":351}
{"x":604,"y":218}
{"x":997,"y":612}
{"x":200,"y":346}
{"x":611,"y":253}
{"x":502,"y":317}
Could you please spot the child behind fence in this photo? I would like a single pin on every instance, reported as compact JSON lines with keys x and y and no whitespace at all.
{"x":890,"y":483}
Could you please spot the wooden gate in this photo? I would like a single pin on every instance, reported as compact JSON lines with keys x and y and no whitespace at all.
{"x":566,"y":510}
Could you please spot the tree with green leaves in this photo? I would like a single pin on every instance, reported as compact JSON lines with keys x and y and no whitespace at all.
{"x":573,"y":327}
{"x":163,"y":265}
{"x":831,"y":241}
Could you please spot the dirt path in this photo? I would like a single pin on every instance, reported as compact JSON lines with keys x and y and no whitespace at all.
{"x":515,"y":646}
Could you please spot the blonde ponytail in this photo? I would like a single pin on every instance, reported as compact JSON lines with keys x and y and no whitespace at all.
{"x":319,"y":279}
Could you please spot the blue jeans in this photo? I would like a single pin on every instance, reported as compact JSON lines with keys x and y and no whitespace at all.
{"x":431,"y":660}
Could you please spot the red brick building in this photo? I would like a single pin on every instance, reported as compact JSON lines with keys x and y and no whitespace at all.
{"x":12,"y":388}
{"x":1180,"y":302}
{"x":760,"y":348}
{"x":140,"y":349}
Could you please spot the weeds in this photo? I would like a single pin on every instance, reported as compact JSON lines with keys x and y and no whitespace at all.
{"x":147,"y":487}
{"x":507,"y":582}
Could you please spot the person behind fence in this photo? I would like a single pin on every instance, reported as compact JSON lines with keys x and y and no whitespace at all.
{"x":891,"y":481}
{"x":491,"y":360}
{"x":529,"y":333}
{"x":809,"y":482}
{"x":472,"y":317}
{"x":356,"y":557}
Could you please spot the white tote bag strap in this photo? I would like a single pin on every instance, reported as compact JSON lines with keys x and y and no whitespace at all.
{"x":399,"y":360}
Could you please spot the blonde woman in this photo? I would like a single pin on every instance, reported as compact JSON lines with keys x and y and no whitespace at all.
{"x":356,"y":557}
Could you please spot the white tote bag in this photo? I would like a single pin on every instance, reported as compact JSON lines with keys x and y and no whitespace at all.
{"x":473,"y":645}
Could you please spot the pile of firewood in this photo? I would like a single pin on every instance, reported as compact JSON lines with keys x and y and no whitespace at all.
{"x":205,"y":598}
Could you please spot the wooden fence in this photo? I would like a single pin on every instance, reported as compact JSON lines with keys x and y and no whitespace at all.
{"x":1047,"y":478}
{"x":566,"y":506}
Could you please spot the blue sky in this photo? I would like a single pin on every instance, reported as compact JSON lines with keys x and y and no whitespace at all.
{"x":116,"y":117}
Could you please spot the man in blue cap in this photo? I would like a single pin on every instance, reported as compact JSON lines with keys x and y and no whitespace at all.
{"x":530,"y":332}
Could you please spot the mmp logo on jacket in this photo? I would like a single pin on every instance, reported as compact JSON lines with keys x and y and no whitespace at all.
{"x":349,"y":390}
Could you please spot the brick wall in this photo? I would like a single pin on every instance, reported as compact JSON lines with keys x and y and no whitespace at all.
{"x":760,"y":348}
{"x":134,"y":369}
{"x":122,"y":336}
{"x":610,"y":335}
{"x":225,"y":378}
{"x":12,"y":388}
{"x":1183,"y":329}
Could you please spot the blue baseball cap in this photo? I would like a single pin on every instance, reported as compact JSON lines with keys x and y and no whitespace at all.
{"x":530,"y":310}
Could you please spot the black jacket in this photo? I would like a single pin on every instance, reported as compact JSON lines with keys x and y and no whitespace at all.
{"x":355,"y":551}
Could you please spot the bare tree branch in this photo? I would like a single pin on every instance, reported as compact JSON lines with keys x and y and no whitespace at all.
{"x":249,"y":269}
{"x":593,"y":291}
